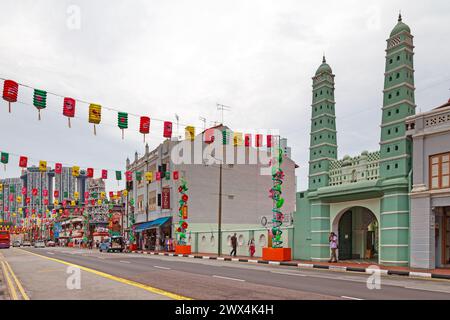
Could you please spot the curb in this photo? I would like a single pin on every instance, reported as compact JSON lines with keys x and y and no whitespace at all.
{"x":410,"y":274}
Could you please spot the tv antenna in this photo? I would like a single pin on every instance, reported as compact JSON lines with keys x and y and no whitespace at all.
{"x":202,"y":119}
{"x":222,"y":108}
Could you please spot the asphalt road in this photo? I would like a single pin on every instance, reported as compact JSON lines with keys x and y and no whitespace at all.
{"x":220,"y":280}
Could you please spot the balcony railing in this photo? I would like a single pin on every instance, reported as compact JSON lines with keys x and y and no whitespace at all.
{"x":352,"y":170}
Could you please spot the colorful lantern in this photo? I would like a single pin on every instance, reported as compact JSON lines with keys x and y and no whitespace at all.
{"x":95,"y":115}
{"x":175,"y":175}
{"x":69,"y":108}
{"x":42,"y":166}
{"x":4,"y":158}
{"x":10,"y":90}
{"x":102,"y":195}
{"x":39,"y":100}
{"x":75,"y":171}
{"x":237,"y":139}
{"x":104,"y":174}
{"x":138,"y":176}
{"x":118,"y":175}
{"x":129,"y":176}
{"x":76,"y":195}
{"x":23,"y":161}
{"x":24,"y":191}
{"x":58,"y":168}
{"x":111,"y":194}
{"x":144,"y":126}
{"x":190,"y":133}
{"x":1,"y":187}
{"x":269,"y":141}
{"x":19,"y":199}
{"x":86,"y":195}
{"x":158,"y":176}
{"x":149,"y":176}
{"x":56,"y":194}
{"x":122,"y":121}
{"x":225,"y":137}
{"x":259,"y":140}
{"x":45,"y":193}
{"x":34,"y":192}
{"x":90,"y":172}
{"x":167,"y":129}
{"x":248,"y":140}
{"x":125,"y":193}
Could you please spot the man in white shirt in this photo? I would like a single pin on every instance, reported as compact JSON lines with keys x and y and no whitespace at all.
{"x":333,"y":246}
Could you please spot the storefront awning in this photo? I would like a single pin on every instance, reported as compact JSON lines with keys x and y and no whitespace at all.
{"x":151,"y":224}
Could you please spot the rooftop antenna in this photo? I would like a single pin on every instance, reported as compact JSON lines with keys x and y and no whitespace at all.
{"x":202,"y":119}
{"x":222,"y":108}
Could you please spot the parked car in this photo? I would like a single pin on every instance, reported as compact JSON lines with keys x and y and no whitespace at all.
{"x":113,"y":244}
{"x":104,"y":246}
{"x":26,"y":244}
{"x":39,"y":244}
{"x":51,"y":244}
{"x":17,"y":243}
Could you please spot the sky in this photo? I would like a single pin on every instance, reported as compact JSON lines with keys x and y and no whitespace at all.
{"x":161,"y":58}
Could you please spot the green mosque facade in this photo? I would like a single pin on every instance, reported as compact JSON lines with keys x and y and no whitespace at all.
{"x":363,"y":199}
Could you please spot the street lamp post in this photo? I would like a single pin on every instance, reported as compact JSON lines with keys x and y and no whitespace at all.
{"x":220,"y":212}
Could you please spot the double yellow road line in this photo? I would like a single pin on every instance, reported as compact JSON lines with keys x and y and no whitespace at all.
{"x":12,"y":285}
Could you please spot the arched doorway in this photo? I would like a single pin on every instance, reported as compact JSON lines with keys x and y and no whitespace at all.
{"x":358,"y":233}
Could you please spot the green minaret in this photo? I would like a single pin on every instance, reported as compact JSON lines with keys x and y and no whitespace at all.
{"x":398,"y":103}
{"x":323,"y":147}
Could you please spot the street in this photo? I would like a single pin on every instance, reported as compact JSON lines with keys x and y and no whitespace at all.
{"x":44,"y":274}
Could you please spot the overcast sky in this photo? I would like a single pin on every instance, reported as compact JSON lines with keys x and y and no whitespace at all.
{"x":161,"y":58}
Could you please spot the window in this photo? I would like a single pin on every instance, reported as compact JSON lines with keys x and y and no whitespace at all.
{"x":440,"y":171}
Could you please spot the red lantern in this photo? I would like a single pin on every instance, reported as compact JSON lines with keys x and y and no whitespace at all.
{"x":58,"y":168}
{"x":34,"y":192}
{"x":23,"y":161}
{"x":105,"y":174}
{"x":269,"y":141}
{"x":24,"y":190}
{"x":259,"y":140}
{"x":10,"y":90}
{"x":248,"y":140}
{"x":175,"y":175}
{"x":184,"y":225}
{"x":69,"y":108}
{"x":167,"y":129}
{"x":90,"y":172}
{"x":144,"y":126}
{"x":129,"y":175}
{"x":64,"y":203}
{"x":46,"y":202}
{"x":56,"y":194}
{"x":86,"y":195}
{"x":185,"y":198}
{"x":45,"y":193}
{"x":27,"y":200}
{"x":158,"y":176}
{"x":119,"y":194}
{"x":11,"y":197}
{"x":111,"y":194}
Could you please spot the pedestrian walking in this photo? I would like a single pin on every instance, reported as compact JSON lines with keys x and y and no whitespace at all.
{"x":252,"y":247}
{"x":333,"y":246}
{"x":233,"y":245}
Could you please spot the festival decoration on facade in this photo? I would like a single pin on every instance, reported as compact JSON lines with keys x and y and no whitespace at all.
{"x":237,"y":139}
{"x":58,"y":168}
{"x":248,"y":140}
{"x":167,"y":129}
{"x":10,"y":91}
{"x":144,"y":126}
{"x":40,"y":100}
{"x":75,"y":171}
{"x":182,"y":213}
{"x":122,"y":121}
{"x":259,"y":140}
{"x":118,"y":175}
{"x":104,"y":174}
{"x":95,"y":115}
{"x":190,"y":133}
{"x":149,"y":176}
{"x":4,"y":158}
{"x":23,"y":161}
{"x":90,"y":172}
{"x":278,"y":200}
{"x":42,"y":166}
{"x":269,"y":141}
{"x":69,"y":109}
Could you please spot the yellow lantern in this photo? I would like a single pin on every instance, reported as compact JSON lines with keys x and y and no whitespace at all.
{"x":14,"y":214}
{"x":33,"y":216}
{"x":60,"y":211}
{"x":95,"y":115}
{"x":20,"y":210}
{"x":76,"y":195}
{"x":56,"y":202}
{"x":75,"y":171}
{"x":102,"y":195}
{"x":42,"y":166}
{"x":190,"y":133}
{"x":237,"y":139}
{"x":149,"y":176}
{"x":73,"y":203}
{"x":19,"y":199}
{"x":1,"y":187}
{"x":125,"y":193}
{"x":99,"y":201}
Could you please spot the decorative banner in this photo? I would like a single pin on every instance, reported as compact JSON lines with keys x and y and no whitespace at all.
{"x":138,"y":176}
{"x":144,"y":126}
{"x":4,"y":158}
{"x":275,"y":195}
{"x":129,"y":176}
{"x":225,"y":137}
{"x":76,"y":195}
{"x":189,"y":133}
{"x":58,"y":168}
{"x":167,"y":175}
{"x":237,"y":139}
{"x":182,"y":213}
{"x":69,"y":108}
{"x":23,"y":161}
{"x":175,"y":175}
{"x":122,"y":121}
{"x":269,"y":141}
{"x":149,"y":176}
{"x":42,"y":166}
{"x":10,"y":90}
{"x":39,"y":100}
{"x":34,"y":192}
{"x":158,"y":176}
{"x":166,"y":198}
{"x":167,"y":129}
{"x":45,"y":193}
{"x":125,"y":193}
{"x":248,"y":140}
{"x":75,"y":171}
{"x":90,"y":172}
{"x":208,"y":136}
{"x":104,"y":174}
{"x":118,"y":175}
{"x":259,"y":140}
{"x":95,"y":115}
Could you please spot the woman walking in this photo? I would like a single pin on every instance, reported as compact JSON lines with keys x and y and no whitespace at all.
{"x":252,"y":247}
{"x":333,"y":246}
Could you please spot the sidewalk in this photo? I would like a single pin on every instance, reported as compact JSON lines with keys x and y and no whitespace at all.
{"x":340,"y":266}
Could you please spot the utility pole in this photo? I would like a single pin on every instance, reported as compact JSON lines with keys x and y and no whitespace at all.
{"x":219,"y":253}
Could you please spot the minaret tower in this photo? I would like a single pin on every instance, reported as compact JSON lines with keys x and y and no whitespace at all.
{"x":323,"y":147}
{"x":398,"y":103}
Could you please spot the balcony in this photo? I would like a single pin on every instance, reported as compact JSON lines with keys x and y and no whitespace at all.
{"x":353,"y":170}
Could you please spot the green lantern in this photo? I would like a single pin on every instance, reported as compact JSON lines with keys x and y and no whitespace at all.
{"x":12,"y":189}
{"x":122,"y":121}
{"x":139,"y":176}
{"x":118,"y":175}
{"x":5,"y":157}
{"x":167,"y":174}
{"x":225,"y":137}
{"x":40,"y":100}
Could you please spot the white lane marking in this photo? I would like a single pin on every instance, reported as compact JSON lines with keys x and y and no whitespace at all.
{"x":124,"y":261}
{"x":425,"y":289}
{"x":289,"y":273}
{"x":233,"y":279}
{"x":164,"y":268}
{"x":351,"y":298}
{"x":50,"y":252}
